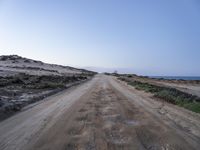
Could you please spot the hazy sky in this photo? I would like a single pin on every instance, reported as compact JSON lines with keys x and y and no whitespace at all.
{"x":151,"y":37}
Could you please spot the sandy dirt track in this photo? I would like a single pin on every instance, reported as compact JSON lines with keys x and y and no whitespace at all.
{"x":101,"y":114}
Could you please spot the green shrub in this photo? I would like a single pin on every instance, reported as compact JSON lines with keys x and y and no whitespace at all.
{"x":194,"y":106}
{"x":166,"y":95}
{"x":144,"y":86}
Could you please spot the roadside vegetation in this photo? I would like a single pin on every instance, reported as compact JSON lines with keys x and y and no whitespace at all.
{"x":170,"y":95}
{"x":39,"y":82}
{"x":22,"y":89}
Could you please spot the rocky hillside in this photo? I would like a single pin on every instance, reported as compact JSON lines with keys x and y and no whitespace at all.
{"x":24,"y":81}
{"x":14,"y":64}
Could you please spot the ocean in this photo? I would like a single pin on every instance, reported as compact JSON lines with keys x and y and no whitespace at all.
{"x":176,"y":77}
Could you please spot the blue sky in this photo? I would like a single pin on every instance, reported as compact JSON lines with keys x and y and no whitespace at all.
{"x":154,"y":37}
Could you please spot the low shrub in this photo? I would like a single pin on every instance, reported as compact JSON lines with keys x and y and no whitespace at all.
{"x":49,"y":85}
{"x":170,"y":95}
{"x":195,"y":107}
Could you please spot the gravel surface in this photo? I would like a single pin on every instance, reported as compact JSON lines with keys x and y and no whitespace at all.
{"x":103,"y":114}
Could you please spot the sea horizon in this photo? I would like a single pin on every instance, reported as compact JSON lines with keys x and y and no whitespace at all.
{"x":177,"y":77}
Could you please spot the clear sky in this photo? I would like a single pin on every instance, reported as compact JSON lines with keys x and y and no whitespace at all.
{"x":150,"y":37}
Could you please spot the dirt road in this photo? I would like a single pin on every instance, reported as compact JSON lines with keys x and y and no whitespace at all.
{"x":102,"y":114}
